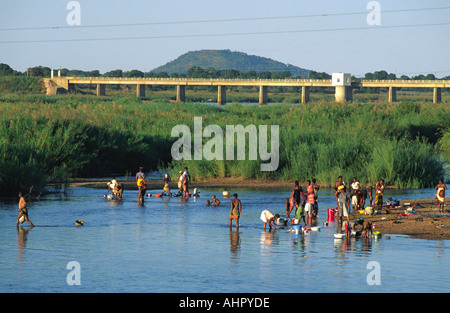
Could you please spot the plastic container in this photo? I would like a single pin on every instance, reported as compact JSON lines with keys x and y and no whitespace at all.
{"x":331,"y":214}
{"x":297,"y":228}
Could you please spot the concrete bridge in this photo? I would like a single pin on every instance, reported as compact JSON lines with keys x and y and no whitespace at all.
{"x":340,"y":81}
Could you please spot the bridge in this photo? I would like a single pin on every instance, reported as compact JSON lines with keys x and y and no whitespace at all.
{"x":341,"y":82}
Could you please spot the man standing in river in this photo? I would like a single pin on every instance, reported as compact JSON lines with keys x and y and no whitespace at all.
{"x":140,"y":181}
{"x":236,"y":210}
{"x":186,"y":181}
{"x":23,"y":211}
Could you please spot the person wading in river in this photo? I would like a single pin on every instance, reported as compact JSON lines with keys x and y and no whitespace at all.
{"x":235,"y":211}
{"x":23,"y":211}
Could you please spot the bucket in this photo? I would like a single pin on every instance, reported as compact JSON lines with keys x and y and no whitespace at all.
{"x":331,"y":214}
{"x":296,"y":228}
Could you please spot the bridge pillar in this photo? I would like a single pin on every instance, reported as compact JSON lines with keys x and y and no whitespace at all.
{"x":305,"y":94}
{"x":392,"y":94}
{"x":221,"y":95}
{"x":343,"y":94}
{"x":262,"y":95}
{"x":437,"y":95}
{"x":140,"y":90}
{"x":101,"y":90}
{"x":181,"y":93}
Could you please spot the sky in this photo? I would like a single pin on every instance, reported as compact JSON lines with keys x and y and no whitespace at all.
{"x":406,"y":37}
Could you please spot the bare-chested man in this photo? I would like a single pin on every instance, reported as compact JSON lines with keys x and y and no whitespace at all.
{"x":23,"y":211}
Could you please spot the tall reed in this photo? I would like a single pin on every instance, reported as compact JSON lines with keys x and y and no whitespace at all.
{"x":46,"y":139}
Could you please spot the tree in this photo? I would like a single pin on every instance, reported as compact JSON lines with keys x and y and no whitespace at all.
{"x":94,"y":73}
{"x":419,"y":77}
{"x":39,"y":71}
{"x":316,"y":75}
{"x":265,"y":75}
{"x":248,"y":75}
{"x":114,"y":73}
{"x":133,"y":73}
{"x":196,"y":72}
{"x":6,"y":70}
{"x":380,"y":75}
{"x":230,"y":73}
{"x":281,"y":75}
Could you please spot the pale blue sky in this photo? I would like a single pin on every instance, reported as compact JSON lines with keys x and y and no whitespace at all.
{"x":299,"y":41}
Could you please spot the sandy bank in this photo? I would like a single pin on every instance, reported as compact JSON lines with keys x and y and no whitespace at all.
{"x":425,"y":222}
{"x":224,"y":183}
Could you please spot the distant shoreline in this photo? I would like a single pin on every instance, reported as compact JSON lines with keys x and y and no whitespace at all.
{"x":228,"y":182}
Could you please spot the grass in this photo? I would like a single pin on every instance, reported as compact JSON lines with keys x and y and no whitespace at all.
{"x":51,"y":138}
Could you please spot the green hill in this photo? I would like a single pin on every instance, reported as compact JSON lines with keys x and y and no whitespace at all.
{"x":226,"y":59}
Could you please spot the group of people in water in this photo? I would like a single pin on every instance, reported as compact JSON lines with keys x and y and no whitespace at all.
{"x":303,"y":204}
{"x":183,"y":186}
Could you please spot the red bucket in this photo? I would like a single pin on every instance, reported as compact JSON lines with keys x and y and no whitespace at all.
{"x":331,"y":213}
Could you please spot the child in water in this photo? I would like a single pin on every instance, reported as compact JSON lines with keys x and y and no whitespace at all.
{"x":215,"y":201}
{"x":166,"y":190}
{"x":287,"y":207}
{"x":291,"y":204}
{"x":142,"y":191}
{"x":269,"y":218}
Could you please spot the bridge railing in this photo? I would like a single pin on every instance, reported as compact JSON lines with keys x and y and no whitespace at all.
{"x":405,"y":81}
{"x":258,"y":80}
{"x":198,"y":79}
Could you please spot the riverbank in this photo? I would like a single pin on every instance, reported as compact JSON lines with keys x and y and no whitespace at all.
{"x":422,"y":220}
{"x":222,"y":183}
{"x":225,"y":183}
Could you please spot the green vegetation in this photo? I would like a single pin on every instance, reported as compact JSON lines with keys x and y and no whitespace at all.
{"x":51,"y":138}
{"x":325,"y":140}
{"x":228,"y":60}
{"x":21,"y":84}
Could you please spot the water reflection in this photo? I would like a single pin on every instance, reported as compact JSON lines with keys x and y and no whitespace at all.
{"x":22,"y":234}
{"x":439,"y":249}
{"x":268,"y":238}
{"x":235,"y":244}
{"x":180,"y":237}
{"x":114,"y":203}
{"x":300,"y":241}
{"x":357,"y":246}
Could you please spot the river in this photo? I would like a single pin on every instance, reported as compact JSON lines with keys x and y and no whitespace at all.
{"x":170,"y":246}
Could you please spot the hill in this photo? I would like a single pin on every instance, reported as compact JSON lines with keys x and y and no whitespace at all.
{"x":226,"y":59}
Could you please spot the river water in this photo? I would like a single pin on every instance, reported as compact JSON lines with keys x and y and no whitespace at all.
{"x":173,"y":246}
